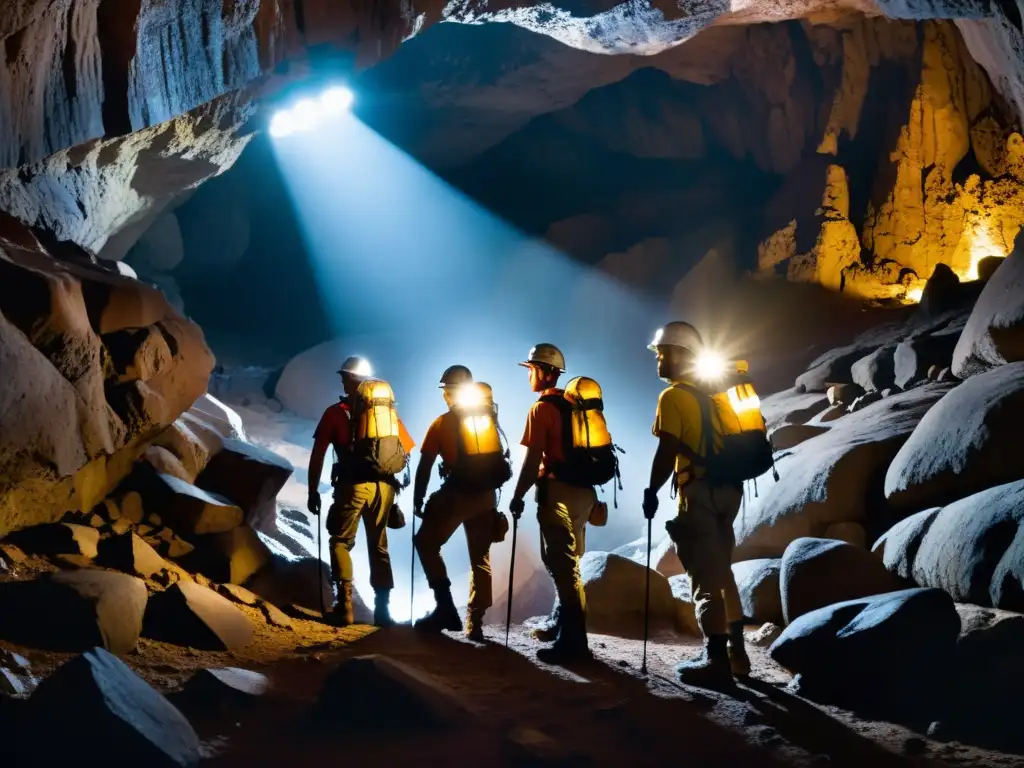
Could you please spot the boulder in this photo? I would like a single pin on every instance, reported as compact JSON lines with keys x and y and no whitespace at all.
{"x":239,"y":594}
{"x":58,"y":539}
{"x":758,"y":585}
{"x":819,"y":572}
{"x":232,"y":557}
{"x":834,"y":366}
{"x":250,"y":476}
{"x":221,"y":691}
{"x":189,"y":510}
{"x":989,"y":691}
{"x":864,"y":401}
{"x":791,"y":435}
{"x":884,"y":653}
{"x":876,"y":371}
{"x":16,"y":678}
{"x":898,"y":546}
{"x":96,"y":699}
{"x":165,"y":462}
{"x":988,"y":266}
{"x":193,"y":616}
{"x":914,"y":357}
{"x":966,"y":443}
{"x":792,"y":407}
{"x":410,"y":697}
{"x":831,"y":478}
{"x":994,"y":334}
{"x":765,"y":635}
{"x":973,"y":549}
{"x":74,"y":610}
{"x":664,"y":558}
{"x":941,"y":293}
{"x":301,"y":582}
{"x":130,"y":554}
{"x":615,"y":588}
{"x":844,"y":394}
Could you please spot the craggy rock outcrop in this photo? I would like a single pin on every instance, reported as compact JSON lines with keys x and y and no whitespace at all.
{"x":966,"y":443}
{"x":973,"y":549}
{"x":95,"y":366}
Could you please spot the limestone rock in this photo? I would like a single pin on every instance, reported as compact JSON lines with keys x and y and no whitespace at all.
{"x":249,"y":476}
{"x":971,"y":548}
{"x":411,"y":697}
{"x":231,"y":557}
{"x":192,"y":615}
{"x":74,"y":610}
{"x":791,"y":435}
{"x":58,"y":539}
{"x":994,"y":334}
{"x":834,"y":366}
{"x":899,"y":545}
{"x":915,"y":357}
{"x":130,"y":554}
{"x":792,"y":407}
{"x":827,"y":479}
{"x":819,"y":572}
{"x":965,"y":444}
{"x":890,"y":650}
{"x":876,"y":371}
{"x":191,"y":511}
{"x":615,"y":596}
{"x":71,"y":426}
{"x":758,"y":585}
{"x":95,"y":697}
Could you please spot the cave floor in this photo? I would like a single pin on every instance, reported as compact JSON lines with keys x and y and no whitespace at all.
{"x":601,"y":712}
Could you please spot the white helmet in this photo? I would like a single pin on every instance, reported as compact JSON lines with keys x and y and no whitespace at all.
{"x":356,"y":367}
{"x":677,"y":334}
{"x":546,"y":354}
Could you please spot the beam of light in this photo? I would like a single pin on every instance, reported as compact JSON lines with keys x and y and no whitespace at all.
{"x":310,"y":112}
{"x":982,"y":245}
{"x":419,"y":277}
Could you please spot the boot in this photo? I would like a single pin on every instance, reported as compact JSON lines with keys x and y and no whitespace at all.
{"x":444,"y":615}
{"x":571,"y":644}
{"x":711,"y":668}
{"x":381,"y":611}
{"x":549,"y":632}
{"x":342,"y":615}
{"x":475,"y":626}
{"x":738,"y":659}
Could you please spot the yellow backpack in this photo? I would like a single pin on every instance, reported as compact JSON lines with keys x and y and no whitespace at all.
{"x":376,"y":444}
{"x":483,"y":462}
{"x":589,"y":451}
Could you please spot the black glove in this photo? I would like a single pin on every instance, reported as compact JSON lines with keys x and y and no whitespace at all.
{"x":313,"y":504}
{"x":516,"y":507}
{"x":417,"y":508}
{"x":650,"y":503}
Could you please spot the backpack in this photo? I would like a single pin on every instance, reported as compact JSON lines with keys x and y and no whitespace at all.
{"x":376,"y":446}
{"x":746,"y":450}
{"x":483,"y":462}
{"x":590,"y":458}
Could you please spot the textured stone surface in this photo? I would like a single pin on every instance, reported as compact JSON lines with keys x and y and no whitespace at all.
{"x":191,"y":615}
{"x":615,"y":596}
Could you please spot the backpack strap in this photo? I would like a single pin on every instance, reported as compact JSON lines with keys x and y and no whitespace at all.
{"x":706,"y":428}
{"x":565,"y":411}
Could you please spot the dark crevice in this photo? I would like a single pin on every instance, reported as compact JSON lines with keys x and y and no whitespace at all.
{"x":68,"y":68}
{"x":12,"y":46}
{"x":116,"y":33}
{"x":1010,"y":10}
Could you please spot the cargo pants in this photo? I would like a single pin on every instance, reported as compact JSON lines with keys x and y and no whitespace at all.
{"x":562,"y":514}
{"x":704,"y":540}
{"x":444,"y":512}
{"x":371,"y":503}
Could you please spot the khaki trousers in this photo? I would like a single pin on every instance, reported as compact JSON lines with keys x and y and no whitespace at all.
{"x":445,"y":511}
{"x":562,"y":513}
{"x":703,"y":534}
{"x":370,"y":502}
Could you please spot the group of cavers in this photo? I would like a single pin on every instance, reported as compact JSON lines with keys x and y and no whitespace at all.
{"x":711,"y":440}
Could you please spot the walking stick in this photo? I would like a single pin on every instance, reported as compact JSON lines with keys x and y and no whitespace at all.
{"x":412,"y":571}
{"x":511,"y":576}
{"x":319,"y":557}
{"x":647,"y":598}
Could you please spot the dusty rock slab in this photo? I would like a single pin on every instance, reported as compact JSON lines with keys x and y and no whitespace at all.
{"x":57,"y":539}
{"x":615,"y":587}
{"x":130,"y":554}
{"x":191,"y":615}
{"x":410,"y":696}
{"x":815,"y":573}
{"x":191,"y":511}
{"x":95,"y":698}
{"x":248,"y":475}
{"x":231,"y":557}
{"x":72,"y":610}
{"x":758,"y":585}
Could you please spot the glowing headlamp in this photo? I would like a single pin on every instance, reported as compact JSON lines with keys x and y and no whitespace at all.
{"x":361,"y":369}
{"x":469,"y":396}
{"x":710,"y":366}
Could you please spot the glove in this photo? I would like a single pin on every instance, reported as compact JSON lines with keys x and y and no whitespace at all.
{"x":650,"y":505}
{"x":313,"y":504}
{"x":417,"y":508}
{"x":516,"y":507}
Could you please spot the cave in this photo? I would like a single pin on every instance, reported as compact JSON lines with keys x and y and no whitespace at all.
{"x":832,"y":194}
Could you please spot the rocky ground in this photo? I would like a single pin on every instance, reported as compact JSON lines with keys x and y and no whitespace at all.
{"x":503,"y":707}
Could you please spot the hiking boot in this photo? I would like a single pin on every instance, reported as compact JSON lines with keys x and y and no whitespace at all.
{"x":548,"y":633}
{"x":444,"y":616}
{"x":709,"y":670}
{"x":475,"y":626}
{"x":571,"y":644}
{"x":342,"y":614}
{"x":738,"y":659}
{"x":381,"y":611}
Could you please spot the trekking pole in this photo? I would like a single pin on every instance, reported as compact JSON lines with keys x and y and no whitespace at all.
{"x":511,"y":576}
{"x":647,"y":597}
{"x":412,"y":571}
{"x":319,"y":557}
